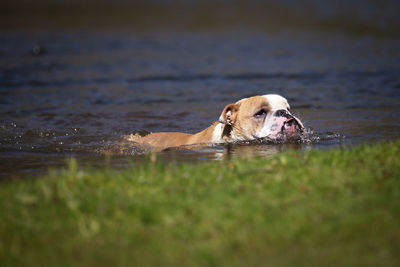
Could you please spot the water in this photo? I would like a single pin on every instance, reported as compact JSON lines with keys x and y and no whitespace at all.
{"x":76,"y":93}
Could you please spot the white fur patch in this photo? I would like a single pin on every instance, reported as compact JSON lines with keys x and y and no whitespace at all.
{"x":217,"y":134}
{"x":277,"y":102}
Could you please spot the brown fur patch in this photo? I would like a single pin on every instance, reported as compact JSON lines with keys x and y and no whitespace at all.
{"x":246,"y":125}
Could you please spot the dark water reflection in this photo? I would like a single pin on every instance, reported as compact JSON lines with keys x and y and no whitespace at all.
{"x":76,"y":93}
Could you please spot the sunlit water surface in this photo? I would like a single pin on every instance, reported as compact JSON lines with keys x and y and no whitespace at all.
{"x":75,"y":94}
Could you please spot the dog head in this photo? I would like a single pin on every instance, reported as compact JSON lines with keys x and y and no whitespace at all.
{"x":256,"y":117}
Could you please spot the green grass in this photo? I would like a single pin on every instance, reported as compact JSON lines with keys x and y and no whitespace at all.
{"x":320,"y":208}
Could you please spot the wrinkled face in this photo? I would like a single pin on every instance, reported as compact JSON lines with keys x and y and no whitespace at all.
{"x":266,"y":116}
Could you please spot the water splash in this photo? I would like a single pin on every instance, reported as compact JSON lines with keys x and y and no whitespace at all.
{"x":308,"y":136}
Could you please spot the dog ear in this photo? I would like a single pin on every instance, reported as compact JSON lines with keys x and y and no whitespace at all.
{"x":229,"y":114}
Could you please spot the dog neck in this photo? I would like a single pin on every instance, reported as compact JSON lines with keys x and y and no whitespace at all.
{"x":212,"y":134}
{"x":217,"y":133}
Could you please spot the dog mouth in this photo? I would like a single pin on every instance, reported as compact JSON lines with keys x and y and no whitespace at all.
{"x":291,"y":126}
{"x":284,"y":128}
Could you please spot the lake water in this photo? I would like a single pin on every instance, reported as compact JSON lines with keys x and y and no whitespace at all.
{"x":75,"y":93}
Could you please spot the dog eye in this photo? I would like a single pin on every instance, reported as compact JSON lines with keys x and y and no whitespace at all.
{"x":260,"y":113}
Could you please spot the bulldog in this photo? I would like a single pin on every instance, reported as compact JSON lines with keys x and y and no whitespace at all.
{"x":252,"y":118}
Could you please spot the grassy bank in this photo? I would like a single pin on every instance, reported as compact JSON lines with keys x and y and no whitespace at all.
{"x":330,"y":208}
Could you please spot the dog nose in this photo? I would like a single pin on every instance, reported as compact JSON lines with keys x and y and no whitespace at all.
{"x":281,"y":113}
